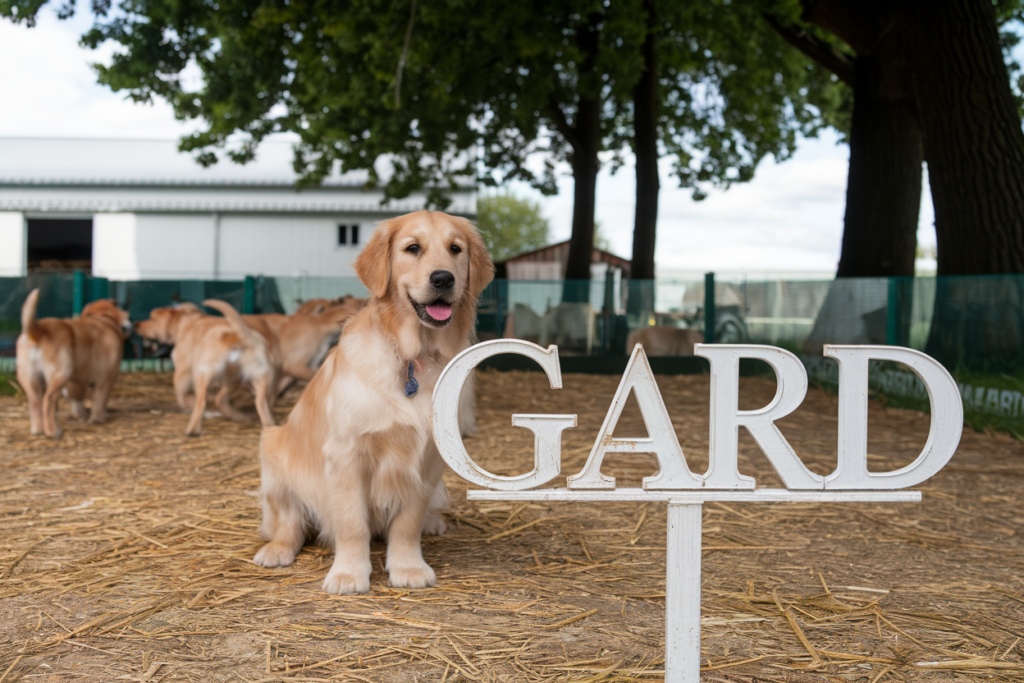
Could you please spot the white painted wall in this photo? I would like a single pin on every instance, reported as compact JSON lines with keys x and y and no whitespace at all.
{"x":285,"y":245}
{"x":130,"y":246}
{"x":171,"y":246}
{"x":113,"y":246}
{"x":13,"y":243}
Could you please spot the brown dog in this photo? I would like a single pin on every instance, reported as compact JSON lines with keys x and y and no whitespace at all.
{"x":663,"y":340}
{"x":81,"y":357}
{"x":307,"y":335}
{"x":356,"y":456}
{"x":211,"y":352}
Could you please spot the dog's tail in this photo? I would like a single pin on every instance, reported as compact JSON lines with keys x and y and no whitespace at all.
{"x":249,"y":336}
{"x":28,"y":314}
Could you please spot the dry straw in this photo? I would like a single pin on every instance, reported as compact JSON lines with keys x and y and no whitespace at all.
{"x":126,"y":556}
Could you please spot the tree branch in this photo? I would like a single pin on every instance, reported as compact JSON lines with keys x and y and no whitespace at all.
{"x":835,"y":60}
{"x":561,"y":123}
{"x":405,"y":54}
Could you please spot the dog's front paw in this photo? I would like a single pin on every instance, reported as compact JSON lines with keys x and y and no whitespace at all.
{"x":343,"y":583}
{"x":433,"y":524}
{"x":274,"y":555}
{"x":412,"y":577}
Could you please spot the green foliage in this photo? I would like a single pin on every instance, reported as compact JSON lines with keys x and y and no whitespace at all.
{"x":478,"y":87}
{"x":510,"y":225}
{"x":735,"y":91}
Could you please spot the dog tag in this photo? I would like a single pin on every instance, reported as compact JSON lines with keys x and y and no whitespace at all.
{"x":412,"y":386}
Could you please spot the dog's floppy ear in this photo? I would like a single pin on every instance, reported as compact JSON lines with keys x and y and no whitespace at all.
{"x":481,"y":268}
{"x":374,"y":263}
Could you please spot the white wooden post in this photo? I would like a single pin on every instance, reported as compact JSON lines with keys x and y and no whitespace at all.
{"x":682,"y":594}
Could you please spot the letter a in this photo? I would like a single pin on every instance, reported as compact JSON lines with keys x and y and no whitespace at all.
{"x":662,"y":442}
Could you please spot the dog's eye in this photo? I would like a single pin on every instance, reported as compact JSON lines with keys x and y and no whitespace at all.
{"x":413,"y":249}
{"x":456,"y":249}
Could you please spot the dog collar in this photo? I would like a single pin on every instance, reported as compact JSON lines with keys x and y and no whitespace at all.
{"x":411,"y":385}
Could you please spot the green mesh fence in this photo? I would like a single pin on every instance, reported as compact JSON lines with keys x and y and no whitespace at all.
{"x":292,"y":291}
{"x":62,"y":295}
{"x":56,"y":300}
{"x":973,"y":325}
{"x":968,"y":323}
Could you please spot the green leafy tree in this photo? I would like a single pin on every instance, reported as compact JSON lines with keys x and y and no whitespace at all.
{"x":934,"y":82}
{"x":718,"y":91}
{"x":431,"y":95}
{"x":510,"y":225}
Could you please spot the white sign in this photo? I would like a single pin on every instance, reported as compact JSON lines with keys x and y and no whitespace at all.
{"x":684,"y":490}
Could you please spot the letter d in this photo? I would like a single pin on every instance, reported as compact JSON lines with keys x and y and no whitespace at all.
{"x":943,"y":436}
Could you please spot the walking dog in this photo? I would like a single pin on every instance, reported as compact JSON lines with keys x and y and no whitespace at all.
{"x":212,"y":352}
{"x":80,"y":358}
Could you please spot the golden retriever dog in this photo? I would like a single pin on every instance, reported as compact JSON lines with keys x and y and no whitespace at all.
{"x":212,"y":352}
{"x":663,"y":340}
{"x":307,"y":335}
{"x":357,"y":457}
{"x":80,"y":357}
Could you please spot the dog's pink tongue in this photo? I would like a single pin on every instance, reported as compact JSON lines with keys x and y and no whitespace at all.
{"x":439,"y":311}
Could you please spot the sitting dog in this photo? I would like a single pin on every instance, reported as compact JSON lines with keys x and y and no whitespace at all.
{"x":80,"y":357}
{"x":214,"y":352}
{"x":356,"y":456}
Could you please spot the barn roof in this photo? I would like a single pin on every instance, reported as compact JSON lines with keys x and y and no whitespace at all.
{"x":97,"y":161}
{"x":83,"y":175}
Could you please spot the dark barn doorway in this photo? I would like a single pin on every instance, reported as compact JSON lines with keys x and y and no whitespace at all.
{"x":59,"y":244}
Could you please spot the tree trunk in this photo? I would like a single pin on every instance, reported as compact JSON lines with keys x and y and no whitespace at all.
{"x":972,"y":135}
{"x":883,"y":189}
{"x":586,"y":143}
{"x":645,"y":149}
{"x":585,"y":165}
{"x":975,"y":152}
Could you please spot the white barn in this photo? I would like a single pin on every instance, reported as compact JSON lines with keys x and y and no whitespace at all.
{"x":139,"y":209}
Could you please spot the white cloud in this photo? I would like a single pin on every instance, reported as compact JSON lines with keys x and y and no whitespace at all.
{"x":50,"y":90}
{"x":788,"y":218}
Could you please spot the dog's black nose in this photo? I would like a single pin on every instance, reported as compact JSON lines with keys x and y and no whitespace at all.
{"x":442,"y":279}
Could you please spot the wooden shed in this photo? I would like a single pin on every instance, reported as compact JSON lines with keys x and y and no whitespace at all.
{"x":548,"y":263}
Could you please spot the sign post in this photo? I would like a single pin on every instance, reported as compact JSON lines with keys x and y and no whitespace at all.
{"x":686,"y":492}
{"x":682,"y":593}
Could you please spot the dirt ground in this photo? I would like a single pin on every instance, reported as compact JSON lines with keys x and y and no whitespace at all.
{"x":126,"y":548}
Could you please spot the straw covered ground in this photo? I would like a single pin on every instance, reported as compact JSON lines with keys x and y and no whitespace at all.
{"x":126,"y":548}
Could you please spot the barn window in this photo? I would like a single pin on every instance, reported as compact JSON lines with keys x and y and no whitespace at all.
{"x":348,"y":234}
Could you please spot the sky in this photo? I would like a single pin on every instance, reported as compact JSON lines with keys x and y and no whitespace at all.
{"x":787,"y":220}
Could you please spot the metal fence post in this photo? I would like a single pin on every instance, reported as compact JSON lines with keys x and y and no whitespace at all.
{"x":249,"y":295}
{"x":99,"y":288}
{"x":709,"y":308}
{"x":501,"y":307}
{"x":891,"y":312}
{"x":77,"y":293}
{"x":898,"y":305}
